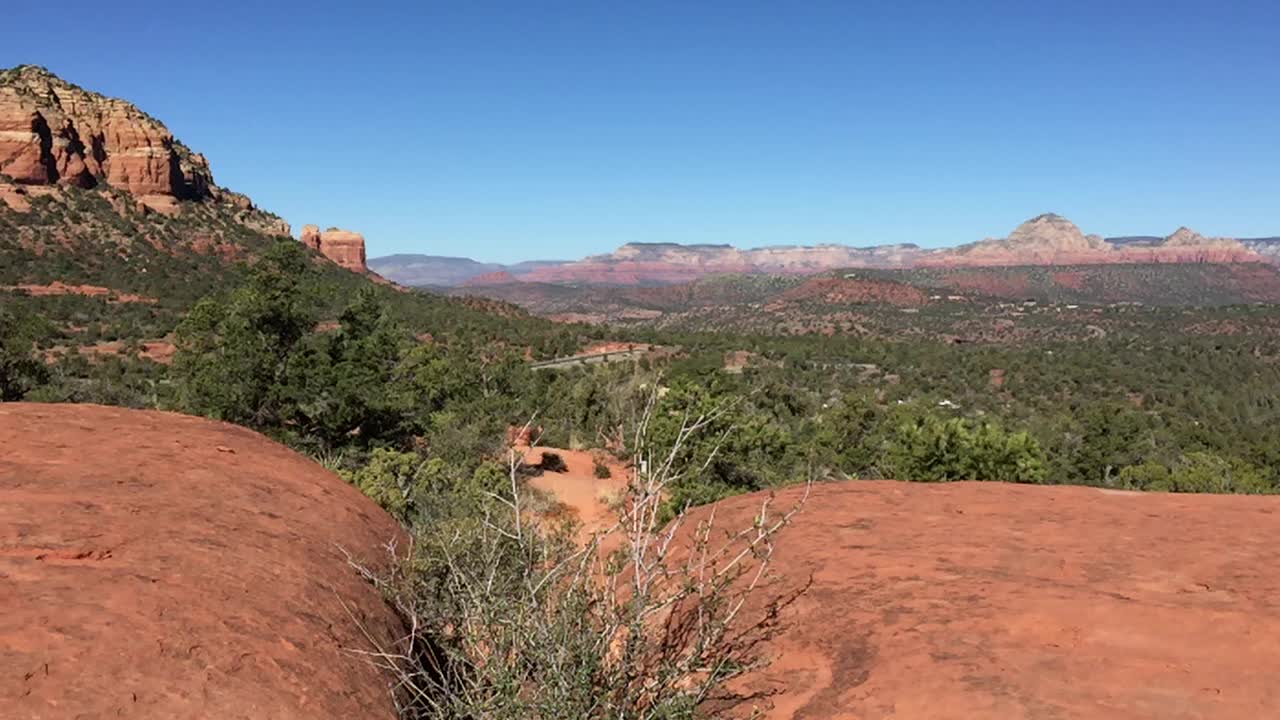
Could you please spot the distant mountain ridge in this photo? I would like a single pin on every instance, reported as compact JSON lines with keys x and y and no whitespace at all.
{"x":1047,"y":239}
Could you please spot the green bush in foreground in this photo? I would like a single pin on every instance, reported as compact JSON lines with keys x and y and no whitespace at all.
{"x":512,"y":620}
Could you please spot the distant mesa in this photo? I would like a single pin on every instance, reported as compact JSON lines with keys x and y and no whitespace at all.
{"x":1051,"y":239}
{"x":343,"y":247}
{"x":1047,"y":239}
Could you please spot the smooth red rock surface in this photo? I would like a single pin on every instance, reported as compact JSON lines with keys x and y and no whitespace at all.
{"x":971,"y":601}
{"x":155,"y":565}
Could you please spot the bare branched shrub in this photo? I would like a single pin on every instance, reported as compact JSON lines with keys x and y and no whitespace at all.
{"x":511,"y":620}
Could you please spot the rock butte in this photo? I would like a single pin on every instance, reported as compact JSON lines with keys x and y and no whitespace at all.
{"x":344,"y":247}
{"x":155,"y":565}
{"x":970,"y":601}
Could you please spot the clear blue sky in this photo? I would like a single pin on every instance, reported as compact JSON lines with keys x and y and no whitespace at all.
{"x":520,"y":130}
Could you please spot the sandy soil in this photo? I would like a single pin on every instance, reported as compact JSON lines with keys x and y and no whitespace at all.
{"x":588,"y":498}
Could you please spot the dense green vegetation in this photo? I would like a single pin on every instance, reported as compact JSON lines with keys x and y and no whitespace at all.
{"x":1147,"y":406}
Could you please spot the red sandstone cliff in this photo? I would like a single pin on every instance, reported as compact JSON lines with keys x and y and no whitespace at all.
{"x":55,"y":134}
{"x":344,"y":247}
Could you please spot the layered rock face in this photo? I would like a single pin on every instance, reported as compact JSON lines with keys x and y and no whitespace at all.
{"x":53,"y":132}
{"x":56,"y":135}
{"x":344,"y":247}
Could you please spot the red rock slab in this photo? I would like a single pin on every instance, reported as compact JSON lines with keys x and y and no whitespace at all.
{"x":154,"y":565}
{"x":985,"y":600}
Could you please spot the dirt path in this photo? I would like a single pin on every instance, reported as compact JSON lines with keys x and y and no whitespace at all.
{"x":578,"y":490}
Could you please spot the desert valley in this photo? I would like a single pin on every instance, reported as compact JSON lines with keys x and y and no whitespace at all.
{"x":255,"y":470}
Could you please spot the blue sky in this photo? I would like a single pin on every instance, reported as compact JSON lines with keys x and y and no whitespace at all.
{"x":520,"y":130}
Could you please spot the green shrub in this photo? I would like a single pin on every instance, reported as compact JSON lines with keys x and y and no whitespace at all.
{"x":1198,"y":472}
{"x":511,"y":620}
{"x":21,"y":370}
{"x":552,"y":462}
{"x":600,"y":470}
{"x":929,"y":449}
{"x":391,"y":479}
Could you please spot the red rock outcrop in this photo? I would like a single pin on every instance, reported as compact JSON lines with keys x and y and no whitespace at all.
{"x":54,"y":132}
{"x":310,"y":237}
{"x":15,"y":196}
{"x":155,"y":565}
{"x":343,"y":247}
{"x":972,"y":601}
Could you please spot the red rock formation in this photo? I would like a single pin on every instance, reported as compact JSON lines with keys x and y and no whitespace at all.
{"x":310,"y":237}
{"x":343,"y":247}
{"x":15,"y":196}
{"x":154,"y":565}
{"x":668,"y":263}
{"x":54,"y":132}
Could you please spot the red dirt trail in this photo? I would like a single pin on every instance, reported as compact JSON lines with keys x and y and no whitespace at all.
{"x":580,"y":492}
{"x":154,"y":565}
